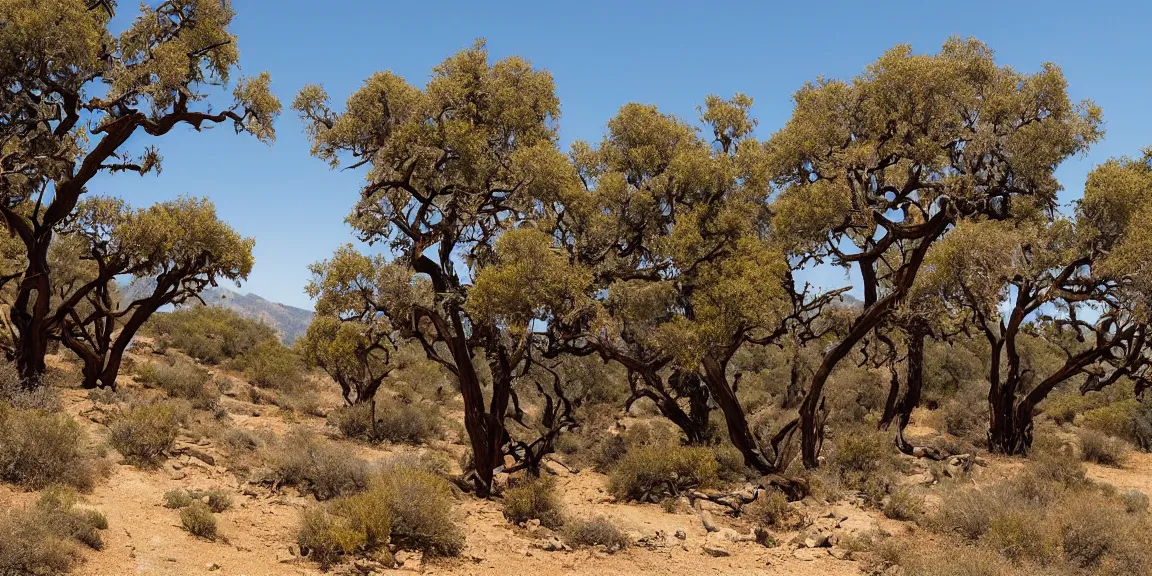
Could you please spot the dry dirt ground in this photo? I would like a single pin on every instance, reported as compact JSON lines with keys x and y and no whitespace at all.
{"x":259,"y":531}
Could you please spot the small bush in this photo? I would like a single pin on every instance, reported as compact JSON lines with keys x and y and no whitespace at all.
{"x":967,"y":512}
{"x":1102,"y":449}
{"x":421,"y":507}
{"x":176,"y":499}
{"x":904,"y":504}
{"x":323,"y":468}
{"x":144,"y":433}
{"x":769,"y":509}
{"x":324,"y":536}
{"x":535,"y":499}
{"x":410,"y":509}
{"x":651,"y":473}
{"x":598,"y":531}
{"x":183,"y":380}
{"x":863,"y":459}
{"x":13,"y":392}
{"x":198,"y":520}
{"x":270,"y":364}
{"x":731,"y":463}
{"x":1135,"y":501}
{"x":1021,"y":533}
{"x":396,"y":421}
{"x":42,"y":538}
{"x":41,"y":448}
{"x":965,"y":414}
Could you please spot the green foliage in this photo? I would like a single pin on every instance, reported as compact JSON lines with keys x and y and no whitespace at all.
{"x":210,"y":334}
{"x":769,"y":509}
{"x":408,"y":508}
{"x":144,"y":433}
{"x":216,"y":499}
{"x":42,"y":448}
{"x":904,"y":503}
{"x":183,"y":380}
{"x":198,"y":520}
{"x":651,"y":473}
{"x":535,"y":499}
{"x":270,"y":364}
{"x":598,"y":531}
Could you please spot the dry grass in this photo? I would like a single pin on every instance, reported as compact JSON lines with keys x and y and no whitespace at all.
{"x":183,"y":380}
{"x":45,"y":538}
{"x":535,"y":499}
{"x":599,"y":531}
{"x":41,"y":448}
{"x":652,"y":473}
{"x":144,"y":433}
{"x":317,"y":466}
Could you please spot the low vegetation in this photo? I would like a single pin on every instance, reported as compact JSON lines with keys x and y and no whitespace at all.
{"x":198,"y":520}
{"x":410,"y":509}
{"x":598,"y":531}
{"x":395,"y":421}
{"x":182,"y":380}
{"x":40,"y":448}
{"x":144,"y":433}
{"x":534,"y":499}
{"x":46,"y":537}
{"x":652,"y":473}
{"x":208,"y":333}
{"x":315,"y":466}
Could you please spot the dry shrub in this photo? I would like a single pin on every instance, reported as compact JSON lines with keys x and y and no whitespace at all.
{"x":317,"y":466}
{"x":904,"y":503}
{"x":145,"y":432}
{"x":41,"y":395}
{"x":599,"y":531}
{"x":652,"y":473}
{"x":39,"y":448}
{"x":770,"y":509}
{"x":535,"y":499}
{"x":864,"y":459}
{"x":396,"y":421}
{"x":1135,"y":501}
{"x":967,"y":512}
{"x":198,"y":520}
{"x":183,"y":380}
{"x":955,"y":561}
{"x":1101,"y":448}
{"x":324,"y":536}
{"x":410,"y":509}
{"x":43,"y":538}
{"x":421,"y":506}
{"x":731,"y":462}
{"x":1021,"y":533}
{"x":965,"y":414}
{"x":216,"y":499}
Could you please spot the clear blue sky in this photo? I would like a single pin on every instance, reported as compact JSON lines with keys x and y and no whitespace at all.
{"x":604,"y":54}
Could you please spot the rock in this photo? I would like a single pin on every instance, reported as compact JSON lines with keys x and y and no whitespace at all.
{"x":708,"y":522}
{"x":920,"y":479}
{"x":681,"y":535}
{"x":555,"y":545}
{"x":840,"y":553}
{"x":715,"y":550}
{"x":809,"y":554}
{"x":818,"y":540}
{"x":532,"y":525}
{"x":212,"y":566}
{"x":202,"y":456}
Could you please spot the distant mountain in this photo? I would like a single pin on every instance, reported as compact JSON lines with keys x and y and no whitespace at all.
{"x":288,"y":321}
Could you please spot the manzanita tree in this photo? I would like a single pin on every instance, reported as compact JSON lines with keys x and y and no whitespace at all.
{"x":453,"y":168}
{"x":871,"y":172}
{"x":72,"y":95}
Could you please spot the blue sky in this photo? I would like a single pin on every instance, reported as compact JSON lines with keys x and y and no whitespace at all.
{"x":602,"y":55}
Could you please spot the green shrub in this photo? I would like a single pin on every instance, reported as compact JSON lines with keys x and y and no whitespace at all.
{"x":312,"y":464}
{"x":176,"y":499}
{"x":208,"y":333}
{"x":39,"y":448}
{"x":651,"y":473}
{"x":731,"y":463}
{"x":421,"y":507}
{"x":42,"y":538}
{"x":270,"y":364}
{"x":1102,"y":449}
{"x":183,"y":380}
{"x":409,"y":509}
{"x":324,"y":536}
{"x":1021,"y":533}
{"x":216,"y":499}
{"x":864,"y":459}
{"x":965,"y":414}
{"x":198,"y":520}
{"x":535,"y":499}
{"x":144,"y":433}
{"x":967,"y":512}
{"x":598,"y":531}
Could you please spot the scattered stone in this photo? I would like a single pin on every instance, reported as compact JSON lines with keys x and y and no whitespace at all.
{"x":212,"y":566}
{"x":715,"y":550}
{"x":840,"y":553}
{"x":818,"y":540}
{"x":809,"y":554}
{"x":555,"y":545}
{"x":681,"y":535}
{"x":706,"y":519}
{"x":202,"y":456}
